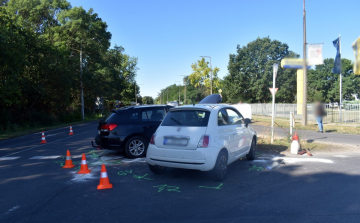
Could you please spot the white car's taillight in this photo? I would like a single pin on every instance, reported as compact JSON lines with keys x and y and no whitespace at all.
{"x":152,"y":140}
{"x":204,"y":141}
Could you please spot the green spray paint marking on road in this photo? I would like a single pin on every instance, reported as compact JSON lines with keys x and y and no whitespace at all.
{"x":142,"y":177}
{"x":168,"y":188}
{"x":257,"y":168}
{"x":217,"y":188}
{"x":124,"y":173}
{"x":61,"y":162}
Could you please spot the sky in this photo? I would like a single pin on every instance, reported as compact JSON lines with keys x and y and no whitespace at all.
{"x":167,"y":36}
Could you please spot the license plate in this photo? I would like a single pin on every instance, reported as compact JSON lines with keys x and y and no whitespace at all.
{"x":98,"y":132}
{"x":176,"y":141}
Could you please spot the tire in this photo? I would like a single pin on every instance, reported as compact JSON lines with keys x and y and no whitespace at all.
{"x":251,"y":154}
{"x":157,"y":169}
{"x":136,"y":147}
{"x":220,"y":168}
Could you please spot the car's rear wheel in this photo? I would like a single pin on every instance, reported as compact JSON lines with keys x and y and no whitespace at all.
{"x":136,"y":147}
{"x":220,"y":168}
{"x":251,"y":154}
{"x":157,"y":169}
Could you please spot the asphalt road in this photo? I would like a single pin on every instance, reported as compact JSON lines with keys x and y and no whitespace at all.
{"x":273,"y":188}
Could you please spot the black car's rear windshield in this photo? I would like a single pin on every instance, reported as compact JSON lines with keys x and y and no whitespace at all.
{"x":196,"y":118}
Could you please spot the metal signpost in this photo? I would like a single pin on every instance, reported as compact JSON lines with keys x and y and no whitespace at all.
{"x":273,"y":91}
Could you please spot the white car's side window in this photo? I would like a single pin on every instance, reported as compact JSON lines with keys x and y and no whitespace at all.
{"x":223,"y":118}
{"x":234,"y":117}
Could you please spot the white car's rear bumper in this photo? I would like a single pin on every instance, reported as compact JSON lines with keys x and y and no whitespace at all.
{"x":200,"y":159}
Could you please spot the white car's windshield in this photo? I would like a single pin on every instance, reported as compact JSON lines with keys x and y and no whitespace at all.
{"x":187,"y":118}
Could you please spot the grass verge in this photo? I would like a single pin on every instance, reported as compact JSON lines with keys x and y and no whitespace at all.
{"x":328,"y":127}
{"x":26,"y":131}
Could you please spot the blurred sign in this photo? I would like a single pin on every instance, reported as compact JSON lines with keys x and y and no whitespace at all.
{"x":356,"y":48}
{"x":272,"y":90}
{"x":293,"y":63}
{"x":315,"y":54}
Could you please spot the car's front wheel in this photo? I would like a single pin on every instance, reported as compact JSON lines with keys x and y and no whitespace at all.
{"x":136,"y":147}
{"x":251,"y":154}
{"x":220,"y":168}
{"x":157,"y":169}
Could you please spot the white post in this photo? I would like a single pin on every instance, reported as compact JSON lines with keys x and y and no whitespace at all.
{"x":275,"y":68}
{"x":340,"y":78}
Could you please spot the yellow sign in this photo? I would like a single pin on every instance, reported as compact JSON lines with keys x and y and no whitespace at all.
{"x":356,"y":48}
{"x":220,"y":91}
{"x":300,"y":90}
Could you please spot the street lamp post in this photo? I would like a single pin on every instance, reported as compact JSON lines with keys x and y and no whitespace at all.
{"x":210,"y":74}
{"x":179,"y":90}
{"x":185,"y":88}
{"x":81,"y":85}
{"x":136,"y":93}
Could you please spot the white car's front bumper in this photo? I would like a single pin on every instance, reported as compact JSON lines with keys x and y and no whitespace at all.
{"x":203,"y":159}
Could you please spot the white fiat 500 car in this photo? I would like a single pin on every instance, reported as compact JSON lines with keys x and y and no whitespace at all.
{"x":204,"y":137}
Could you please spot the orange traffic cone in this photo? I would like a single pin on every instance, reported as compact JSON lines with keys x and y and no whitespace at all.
{"x":71,"y":131}
{"x":84,"y":169}
{"x":104,"y":179}
{"x":43,"y":138}
{"x":68,"y":162}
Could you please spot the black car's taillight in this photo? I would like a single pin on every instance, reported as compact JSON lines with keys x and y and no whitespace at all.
{"x":108,"y":127}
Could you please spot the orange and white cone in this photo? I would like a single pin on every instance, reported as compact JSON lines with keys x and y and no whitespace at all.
{"x":71,"y":131}
{"x":84,"y":169}
{"x":104,"y":179}
{"x":68,"y":162}
{"x":43,"y":140}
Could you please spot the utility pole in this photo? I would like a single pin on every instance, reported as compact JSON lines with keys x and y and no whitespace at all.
{"x":81,"y":84}
{"x":185,"y":88}
{"x":304,"y":107}
{"x":210,"y":74}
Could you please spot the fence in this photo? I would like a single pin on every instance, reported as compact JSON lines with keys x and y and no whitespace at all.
{"x":349,"y":112}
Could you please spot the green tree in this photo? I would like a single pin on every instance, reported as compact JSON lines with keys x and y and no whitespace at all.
{"x":324,"y":85}
{"x":200,"y":77}
{"x":251,"y":71}
{"x":147,"y":100}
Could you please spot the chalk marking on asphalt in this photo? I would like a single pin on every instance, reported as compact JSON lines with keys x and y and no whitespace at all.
{"x":45,"y":144}
{"x":12,"y":209}
{"x":44,"y":157}
{"x":10,"y":158}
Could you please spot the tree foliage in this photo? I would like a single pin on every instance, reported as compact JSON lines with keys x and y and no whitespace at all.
{"x":41,"y":41}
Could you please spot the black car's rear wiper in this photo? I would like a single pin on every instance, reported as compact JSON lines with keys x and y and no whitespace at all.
{"x":176,"y":121}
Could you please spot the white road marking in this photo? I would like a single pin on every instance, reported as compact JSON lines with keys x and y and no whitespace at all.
{"x":10,"y":158}
{"x":341,"y":156}
{"x":295,"y":160}
{"x":44,"y":157}
{"x":54,"y":134}
{"x":12,"y":209}
{"x":45,"y":144}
